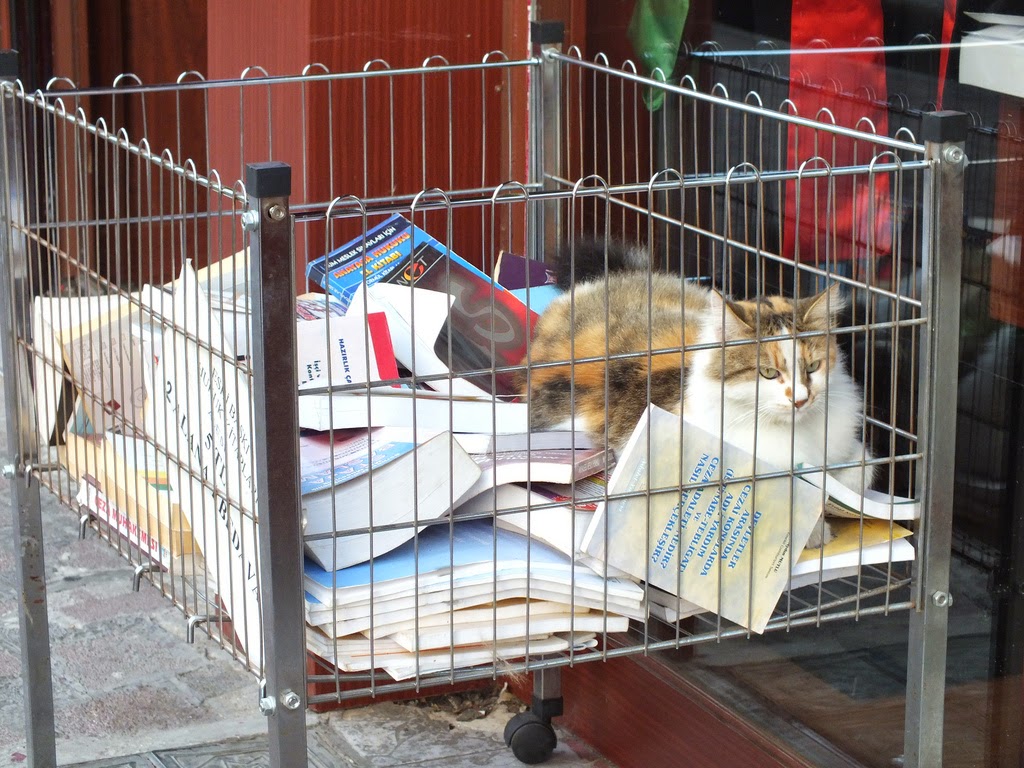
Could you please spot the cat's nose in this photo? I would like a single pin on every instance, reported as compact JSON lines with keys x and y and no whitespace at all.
{"x":800,"y":403}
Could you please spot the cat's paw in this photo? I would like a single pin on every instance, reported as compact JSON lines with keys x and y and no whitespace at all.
{"x":822,"y":534}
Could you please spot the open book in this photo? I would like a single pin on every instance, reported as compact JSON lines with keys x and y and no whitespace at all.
{"x":846,"y":502}
{"x":725,"y":542}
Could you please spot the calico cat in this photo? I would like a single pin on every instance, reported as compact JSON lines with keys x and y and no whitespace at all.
{"x":796,"y":394}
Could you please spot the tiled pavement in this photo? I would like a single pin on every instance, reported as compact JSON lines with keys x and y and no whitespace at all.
{"x":129,"y":691}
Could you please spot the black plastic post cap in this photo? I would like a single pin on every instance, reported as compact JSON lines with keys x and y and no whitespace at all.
{"x":547,"y":32}
{"x":270,"y":179}
{"x":944,"y":125}
{"x":8,"y":65}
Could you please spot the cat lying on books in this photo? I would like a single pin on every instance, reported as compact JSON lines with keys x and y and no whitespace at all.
{"x":798,"y":400}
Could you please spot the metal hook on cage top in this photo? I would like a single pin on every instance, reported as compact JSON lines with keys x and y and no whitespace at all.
{"x":384,"y":66}
{"x":581,"y":189}
{"x":18,"y":87}
{"x":788,"y":107}
{"x":923,"y":38}
{"x":738,"y":62}
{"x":120,"y":80}
{"x":712,"y":47}
{"x":239,"y":193}
{"x":436,"y":60}
{"x":770,"y":68}
{"x":875,"y":263}
{"x":333,"y":208}
{"x":833,"y":86}
{"x":81,"y":119}
{"x":306,"y":70}
{"x":828,"y":113}
{"x":57,"y":80}
{"x":654,"y":184}
{"x":574,"y":51}
{"x":864,"y":121}
{"x":183,"y":77}
{"x":1010,"y":126}
{"x":904,"y":133}
{"x":903,"y":102}
{"x":235,"y":195}
{"x":59,"y":108}
{"x":799,"y":76}
{"x":261,"y":72}
{"x":870,"y":95}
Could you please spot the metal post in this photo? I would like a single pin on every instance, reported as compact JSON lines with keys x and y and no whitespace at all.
{"x":547,"y":693}
{"x":545,"y":219}
{"x":944,"y":134}
{"x":275,"y":386}
{"x":22,"y":448}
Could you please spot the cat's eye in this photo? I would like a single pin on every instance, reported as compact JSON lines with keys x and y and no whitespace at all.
{"x":812,"y":366}
{"x":768,"y":372}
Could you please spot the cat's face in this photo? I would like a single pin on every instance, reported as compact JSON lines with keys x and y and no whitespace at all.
{"x":781,"y":378}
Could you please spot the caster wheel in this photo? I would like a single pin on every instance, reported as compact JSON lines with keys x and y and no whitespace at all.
{"x":532,"y":740}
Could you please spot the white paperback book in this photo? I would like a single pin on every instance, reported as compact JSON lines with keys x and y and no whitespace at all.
{"x":371,"y":490}
{"x":488,"y":630}
{"x":378,"y":619}
{"x":404,"y":407}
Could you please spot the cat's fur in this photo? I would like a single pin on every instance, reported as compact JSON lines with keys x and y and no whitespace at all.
{"x":620,"y":306}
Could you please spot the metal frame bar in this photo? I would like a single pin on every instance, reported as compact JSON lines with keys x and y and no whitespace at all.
{"x":942,"y":240}
{"x":546,"y":133}
{"x":22,"y":451}
{"x":272,"y":285}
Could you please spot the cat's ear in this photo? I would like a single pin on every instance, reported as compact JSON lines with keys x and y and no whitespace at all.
{"x":823,"y":310}
{"x":726,"y":318}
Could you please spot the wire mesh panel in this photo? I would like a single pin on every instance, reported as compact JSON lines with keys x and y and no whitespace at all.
{"x":112,"y":232}
{"x":584,"y":366}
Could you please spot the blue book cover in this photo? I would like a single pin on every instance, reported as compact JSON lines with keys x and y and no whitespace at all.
{"x":472,"y":542}
{"x":486,"y":327}
{"x":395,"y":250}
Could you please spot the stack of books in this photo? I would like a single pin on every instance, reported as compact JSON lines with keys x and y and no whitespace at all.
{"x":440,"y":531}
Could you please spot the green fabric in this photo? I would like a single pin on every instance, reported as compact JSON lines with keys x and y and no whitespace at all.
{"x":655,"y":31}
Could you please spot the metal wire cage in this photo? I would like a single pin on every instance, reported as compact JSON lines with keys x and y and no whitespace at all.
{"x":151,"y":302}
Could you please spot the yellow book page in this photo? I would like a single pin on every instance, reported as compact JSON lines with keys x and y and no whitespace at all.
{"x":848,"y":538}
